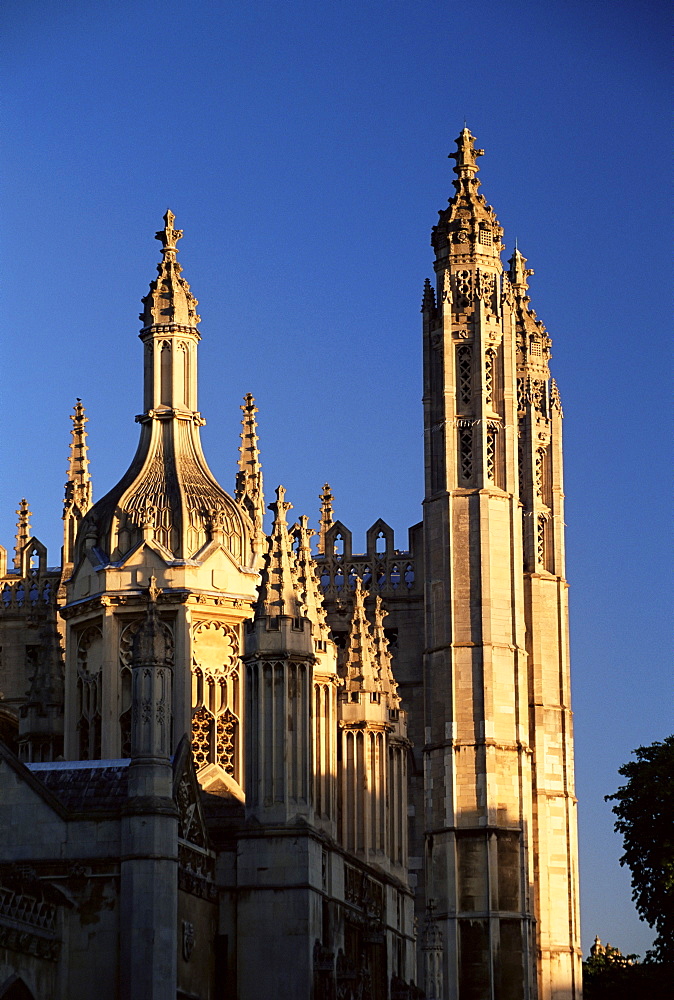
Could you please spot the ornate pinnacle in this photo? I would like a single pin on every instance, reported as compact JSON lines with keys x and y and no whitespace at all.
{"x":169,"y":236}
{"x":465,"y":157}
{"x":327,"y":516}
{"x":22,"y":531}
{"x":518,"y":272}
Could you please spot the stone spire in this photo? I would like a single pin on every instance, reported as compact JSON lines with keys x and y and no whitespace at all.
{"x":279,"y":587}
{"x":249,"y":491}
{"x":327,"y":516}
{"x":41,"y":722}
{"x":78,"y":488}
{"x":168,"y":498}
{"x":22,"y":531}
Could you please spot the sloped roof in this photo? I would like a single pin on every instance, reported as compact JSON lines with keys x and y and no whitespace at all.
{"x":84,"y":785}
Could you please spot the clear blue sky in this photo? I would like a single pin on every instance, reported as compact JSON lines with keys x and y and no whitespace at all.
{"x":303,"y":148}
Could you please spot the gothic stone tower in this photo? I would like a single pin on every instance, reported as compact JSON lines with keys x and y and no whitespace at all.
{"x":501,"y":867}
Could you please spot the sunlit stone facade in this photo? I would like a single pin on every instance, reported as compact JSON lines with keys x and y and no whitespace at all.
{"x":237,"y":767}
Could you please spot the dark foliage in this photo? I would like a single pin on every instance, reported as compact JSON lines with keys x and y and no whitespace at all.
{"x":612,"y":976}
{"x":645,"y":811}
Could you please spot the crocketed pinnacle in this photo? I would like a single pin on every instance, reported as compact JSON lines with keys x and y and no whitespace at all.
{"x":327,"y":516}
{"x":279,"y":586}
{"x":22,"y":531}
{"x":362,"y":673}
{"x":389,"y":686}
{"x":308,"y":580}
{"x":249,"y":491}
{"x":78,"y":485}
{"x":169,"y":301}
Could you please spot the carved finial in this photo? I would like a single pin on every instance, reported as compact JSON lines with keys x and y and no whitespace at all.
{"x":465,"y":157}
{"x":169,"y":236}
{"x":22,"y":531}
{"x":327,"y":516}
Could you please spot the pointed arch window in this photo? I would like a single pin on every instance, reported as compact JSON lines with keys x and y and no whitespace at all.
{"x":216,"y":697}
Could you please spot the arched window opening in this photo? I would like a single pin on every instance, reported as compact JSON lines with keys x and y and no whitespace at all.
{"x":165,"y":373}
